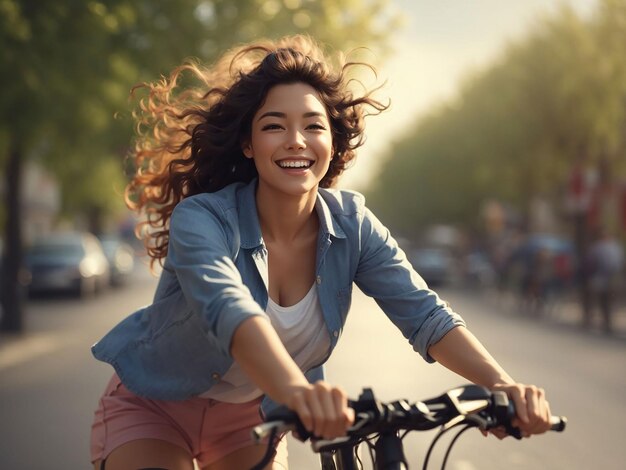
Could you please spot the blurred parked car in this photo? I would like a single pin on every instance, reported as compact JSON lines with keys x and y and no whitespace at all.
{"x":542,"y":241}
{"x":121,"y":258}
{"x":435,"y":265}
{"x":72,"y":261}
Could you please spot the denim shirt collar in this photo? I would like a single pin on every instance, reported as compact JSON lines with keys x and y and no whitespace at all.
{"x":328,"y":224}
{"x":250,"y":227}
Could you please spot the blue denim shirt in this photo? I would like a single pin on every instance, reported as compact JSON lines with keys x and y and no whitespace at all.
{"x":215,"y":276}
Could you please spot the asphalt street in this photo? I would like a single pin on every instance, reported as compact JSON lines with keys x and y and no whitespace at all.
{"x":50,"y":384}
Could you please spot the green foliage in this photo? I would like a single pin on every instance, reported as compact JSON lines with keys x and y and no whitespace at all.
{"x":516,"y":127}
{"x":68,"y":66}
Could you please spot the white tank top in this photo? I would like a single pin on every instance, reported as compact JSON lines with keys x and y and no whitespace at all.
{"x":303,"y":332}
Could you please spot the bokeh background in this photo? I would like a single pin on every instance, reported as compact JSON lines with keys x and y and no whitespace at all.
{"x":500,"y":165}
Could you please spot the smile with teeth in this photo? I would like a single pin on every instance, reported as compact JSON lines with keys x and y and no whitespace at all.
{"x":295,"y":163}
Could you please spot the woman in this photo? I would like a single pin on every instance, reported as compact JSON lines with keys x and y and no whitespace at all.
{"x":259,"y":258}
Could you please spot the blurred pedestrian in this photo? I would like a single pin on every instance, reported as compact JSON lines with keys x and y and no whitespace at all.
{"x":259,"y":257}
{"x":606,"y":261}
{"x":537,"y":281}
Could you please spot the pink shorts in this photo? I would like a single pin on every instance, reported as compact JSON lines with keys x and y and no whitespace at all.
{"x":208,"y":429}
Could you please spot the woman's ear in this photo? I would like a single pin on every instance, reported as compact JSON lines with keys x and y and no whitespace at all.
{"x":247,"y":150}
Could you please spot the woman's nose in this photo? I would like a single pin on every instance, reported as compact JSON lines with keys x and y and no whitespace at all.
{"x":296,"y":140}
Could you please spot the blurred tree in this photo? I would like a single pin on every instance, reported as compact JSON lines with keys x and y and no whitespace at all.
{"x":67,"y":67}
{"x":516,"y":127}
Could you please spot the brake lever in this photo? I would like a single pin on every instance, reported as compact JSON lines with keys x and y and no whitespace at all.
{"x":513,"y":431}
{"x":505,"y":412}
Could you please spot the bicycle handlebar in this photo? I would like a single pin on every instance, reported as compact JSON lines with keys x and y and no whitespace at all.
{"x":471,"y":404}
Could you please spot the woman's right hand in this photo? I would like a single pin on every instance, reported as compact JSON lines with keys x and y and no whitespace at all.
{"x":322,"y":408}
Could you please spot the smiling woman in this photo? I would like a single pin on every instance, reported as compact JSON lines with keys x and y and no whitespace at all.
{"x":290,"y":143}
{"x":192,"y":140}
{"x":259,"y":256}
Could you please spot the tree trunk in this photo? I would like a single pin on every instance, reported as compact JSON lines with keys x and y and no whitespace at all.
{"x":12,"y":290}
{"x":95,"y":223}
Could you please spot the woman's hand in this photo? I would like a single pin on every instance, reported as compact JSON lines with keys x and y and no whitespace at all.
{"x":531,"y":407}
{"x":323,"y":409}
{"x":461,"y":352}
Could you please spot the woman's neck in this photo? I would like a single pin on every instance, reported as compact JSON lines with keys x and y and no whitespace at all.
{"x":285,"y":218}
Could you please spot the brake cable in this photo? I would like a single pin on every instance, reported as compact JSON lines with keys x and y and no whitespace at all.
{"x":437,"y":437}
{"x":458,"y":434}
{"x":269,"y":453}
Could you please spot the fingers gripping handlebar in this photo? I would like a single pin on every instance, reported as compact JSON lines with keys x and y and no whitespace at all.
{"x":472,"y":404}
{"x":483,"y":408}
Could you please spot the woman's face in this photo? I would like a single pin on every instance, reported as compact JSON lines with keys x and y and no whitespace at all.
{"x":291,"y":142}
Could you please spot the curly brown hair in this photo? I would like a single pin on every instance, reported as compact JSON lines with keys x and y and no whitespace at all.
{"x":189,"y":139}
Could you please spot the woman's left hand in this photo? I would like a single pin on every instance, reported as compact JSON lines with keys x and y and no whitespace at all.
{"x":531,"y":407}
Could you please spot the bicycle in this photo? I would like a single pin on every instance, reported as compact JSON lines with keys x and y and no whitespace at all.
{"x":379,"y":425}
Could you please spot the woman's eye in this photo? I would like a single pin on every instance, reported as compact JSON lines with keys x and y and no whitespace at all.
{"x":270,"y":127}
{"x":317,"y":126}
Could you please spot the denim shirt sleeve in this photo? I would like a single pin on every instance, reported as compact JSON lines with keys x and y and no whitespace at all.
{"x":201,"y":252}
{"x":385,"y":274}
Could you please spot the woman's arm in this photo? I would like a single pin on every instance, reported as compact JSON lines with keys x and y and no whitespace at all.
{"x":461,"y":352}
{"x":322,"y":408}
{"x":434,"y":330}
{"x":201,"y":255}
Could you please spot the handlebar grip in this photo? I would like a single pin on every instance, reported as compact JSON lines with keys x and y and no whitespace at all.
{"x":558,"y":423}
{"x":290,"y":421}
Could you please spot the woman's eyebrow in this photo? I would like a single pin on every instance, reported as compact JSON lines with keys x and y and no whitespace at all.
{"x":272,"y":114}
{"x":314,"y":114}
{"x":278,"y":114}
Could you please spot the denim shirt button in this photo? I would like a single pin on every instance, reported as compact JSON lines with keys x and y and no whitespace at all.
{"x":335,"y":333}
{"x":215,"y":376}
{"x":319,"y":279}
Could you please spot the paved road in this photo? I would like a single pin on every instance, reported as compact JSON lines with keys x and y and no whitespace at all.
{"x":50,"y":384}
